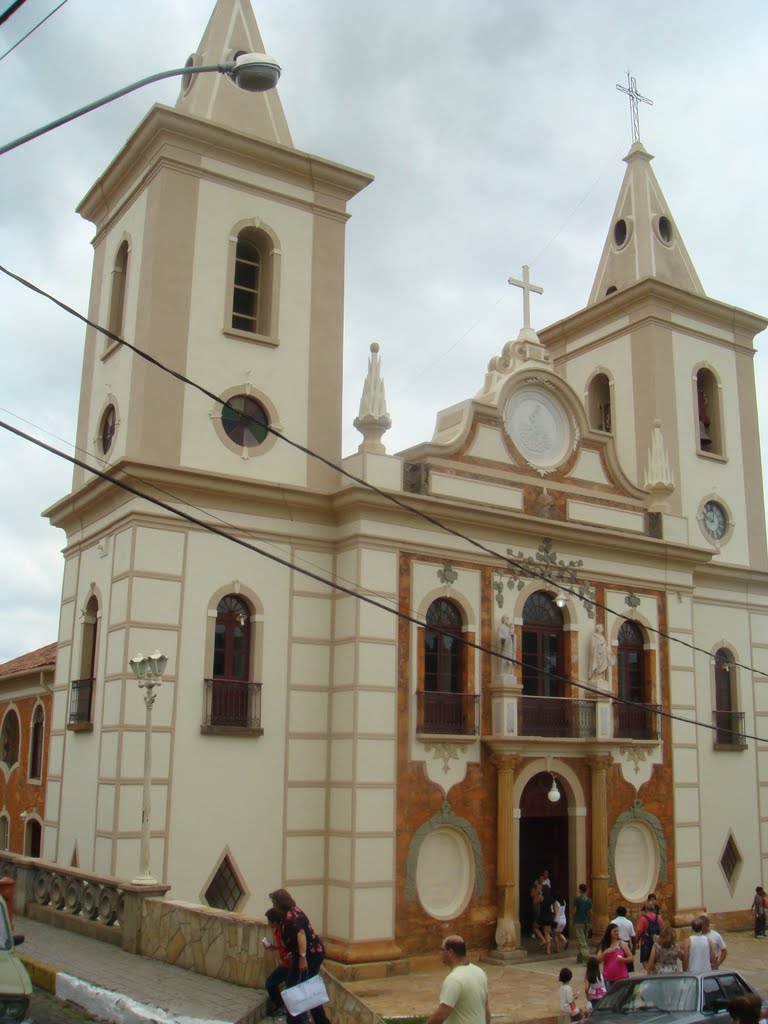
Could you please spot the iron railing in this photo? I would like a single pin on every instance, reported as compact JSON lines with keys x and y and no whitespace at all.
{"x":448,"y":714}
{"x":637,"y":721}
{"x":80,"y":700}
{"x":729,"y":728}
{"x":557,"y":716}
{"x":232,"y":704}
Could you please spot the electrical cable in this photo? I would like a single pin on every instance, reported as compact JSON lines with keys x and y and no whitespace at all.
{"x":10,"y":11}
{"x":33,"y":29}
{"x":350,"y":592}
{"x":526,"y":569}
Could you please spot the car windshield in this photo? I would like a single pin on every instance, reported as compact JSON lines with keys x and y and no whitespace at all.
{"x":657,"y":993}
{"x":6,"y":941}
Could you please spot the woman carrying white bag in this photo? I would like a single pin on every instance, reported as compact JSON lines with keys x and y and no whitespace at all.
{"x":304,"y":989}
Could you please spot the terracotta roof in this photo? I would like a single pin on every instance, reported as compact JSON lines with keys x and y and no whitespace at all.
{"x":43,"y":657}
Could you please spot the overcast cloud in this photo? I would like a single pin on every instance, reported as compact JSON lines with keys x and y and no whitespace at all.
{"x":496,"y":135}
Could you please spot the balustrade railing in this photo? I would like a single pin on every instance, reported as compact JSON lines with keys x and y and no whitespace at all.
{"x":637,"y":721}
{"x":232,"y":704}
{"x":557,"y":716}
{"x":80,"y":700}
{"x":729,"y":728}
{"x":449,"y":714}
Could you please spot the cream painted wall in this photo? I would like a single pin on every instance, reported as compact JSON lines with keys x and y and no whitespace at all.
{"x":221,"y":362}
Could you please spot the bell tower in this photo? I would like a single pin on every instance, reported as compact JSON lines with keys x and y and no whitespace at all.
{"x":219,"y":250}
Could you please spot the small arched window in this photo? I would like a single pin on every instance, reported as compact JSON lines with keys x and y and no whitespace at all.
{"x":116,"y":319}
{"x":36,"y":744}
{"x":9,"y":739}
{"x":33,"y":835}
{"x":708,"y":413}
{"x":253,"y":300}
{"x":81,"y":695}
{"x":599,"y":403}
{"x":5,"y":832}
{"x":633,"y":719}
{"x":728,"y":726}
{"x":442,"y":704}
{"x":542,"y":651}
{"x":233,"y":699}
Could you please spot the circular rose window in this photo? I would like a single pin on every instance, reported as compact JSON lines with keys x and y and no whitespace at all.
{"x":445,"y":873}
{"x":636,"y":861}
{"x":245,"y":421}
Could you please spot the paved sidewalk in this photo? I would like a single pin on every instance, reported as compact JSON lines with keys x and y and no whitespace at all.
{"x":129,"y":989}
{"x":527,"y":991}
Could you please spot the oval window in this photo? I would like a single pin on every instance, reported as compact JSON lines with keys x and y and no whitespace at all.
{"x":445,"y":873}
{"x":636,"y":861}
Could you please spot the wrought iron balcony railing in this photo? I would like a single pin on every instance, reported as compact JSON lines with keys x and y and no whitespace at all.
{"x":449,"y":714}
{"x":557,"y":716}
{"x":232,"y":704}
{"x":637,"y":721}
{"x":729,"y":728}
{"x":81,"y":701}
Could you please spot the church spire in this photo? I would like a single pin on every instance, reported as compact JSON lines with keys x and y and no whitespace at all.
{"x":643,"y":240}
{"x":232,"y":29}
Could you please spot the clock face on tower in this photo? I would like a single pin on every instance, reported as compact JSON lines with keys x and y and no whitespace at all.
{"x":714,"y":520}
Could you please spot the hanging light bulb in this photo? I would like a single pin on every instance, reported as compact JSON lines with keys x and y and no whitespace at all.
{"x":554,"y":793}
{"x":561,"y":600}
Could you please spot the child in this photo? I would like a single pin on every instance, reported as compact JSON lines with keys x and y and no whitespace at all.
{"x":558,"y":911}
{"x":594,"y":983}
{"x":568,"y":1009}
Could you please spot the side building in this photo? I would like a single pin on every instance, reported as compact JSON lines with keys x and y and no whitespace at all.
{"x":540,"y":655}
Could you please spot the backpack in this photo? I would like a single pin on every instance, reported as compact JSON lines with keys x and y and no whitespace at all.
{"x":646,"y":940}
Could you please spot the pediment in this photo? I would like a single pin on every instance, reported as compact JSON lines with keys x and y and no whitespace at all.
{"x":531,"y":450}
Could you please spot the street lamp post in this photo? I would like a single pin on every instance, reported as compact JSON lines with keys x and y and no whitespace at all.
{"x":148,"y":671}
{"x":253,"y":72}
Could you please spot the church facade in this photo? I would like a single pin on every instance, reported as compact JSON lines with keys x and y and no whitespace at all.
{"x":401,"y":710}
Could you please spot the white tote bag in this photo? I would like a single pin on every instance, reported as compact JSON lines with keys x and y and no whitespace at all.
{"x":305,"y":996}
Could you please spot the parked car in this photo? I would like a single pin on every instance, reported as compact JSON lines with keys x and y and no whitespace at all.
{"x":673,"y":998}
{"x":15,"y":986}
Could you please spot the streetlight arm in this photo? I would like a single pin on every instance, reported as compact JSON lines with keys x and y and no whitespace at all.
{"x":252,"y":72}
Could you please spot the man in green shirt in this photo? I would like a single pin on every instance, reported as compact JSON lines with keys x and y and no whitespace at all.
{"x":464,"y":995}
{"x":580,"y":915}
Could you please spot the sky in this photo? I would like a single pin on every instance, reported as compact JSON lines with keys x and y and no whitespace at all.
{"x":496,"y":135}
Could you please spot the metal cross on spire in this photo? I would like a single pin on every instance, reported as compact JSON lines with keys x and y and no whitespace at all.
{"x":630,"y":89}
{"x":527,"y":287}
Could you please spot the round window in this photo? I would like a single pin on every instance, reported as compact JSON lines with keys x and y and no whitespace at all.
{"x":620,"y":232}
{"x":445,"y":873}
{"x":636,"y":861}
{"x":245,"y":421}
{"x":108,"y":425}
{"x":665,"y":230}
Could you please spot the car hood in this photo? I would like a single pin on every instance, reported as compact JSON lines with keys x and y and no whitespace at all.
{"x":648,"y":1017}
{"x":14,"y":979}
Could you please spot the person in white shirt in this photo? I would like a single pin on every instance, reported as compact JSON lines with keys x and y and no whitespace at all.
{"x":715,"y":938}
{"x":698,"y":952}
{"x":625,"y":926}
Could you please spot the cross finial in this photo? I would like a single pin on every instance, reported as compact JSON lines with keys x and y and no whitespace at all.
{"x":630,"y":89}
{"x":527,"y":287}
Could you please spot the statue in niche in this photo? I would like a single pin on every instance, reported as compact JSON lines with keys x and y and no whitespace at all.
{"x":705,"y":438}
{"x":599,"y":656}
{"x":505,"y":645}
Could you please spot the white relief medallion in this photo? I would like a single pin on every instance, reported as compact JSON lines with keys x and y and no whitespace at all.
{"x":538,"y":427}
{"x":445,"y":873}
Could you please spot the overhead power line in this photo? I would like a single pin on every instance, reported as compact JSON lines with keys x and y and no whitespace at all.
{"x":33,"y":29}
{"x":525,"y":568}
{"x":350,"y":592}
{"x":10,"y":11}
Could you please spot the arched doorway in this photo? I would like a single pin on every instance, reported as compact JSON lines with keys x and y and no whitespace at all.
{"x":543,"y":842}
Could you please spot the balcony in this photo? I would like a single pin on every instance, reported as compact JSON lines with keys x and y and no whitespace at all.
{"x":637,"y":721}
{"x":557,"y":716}
{"x":729,"y":730}
{"x":232,"y":706}
{"x":80,"y":705}
{"x":447,"y":714}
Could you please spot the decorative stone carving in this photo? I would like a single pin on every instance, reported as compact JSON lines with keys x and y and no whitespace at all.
{"x":442,"y":819}
{"x":599,"y":656}
{"x":637,"y":812}
{"x":658,"y":476}
{"x":372,"y":419}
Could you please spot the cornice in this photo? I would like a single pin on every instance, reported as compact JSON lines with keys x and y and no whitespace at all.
{"x":633,"y":303}
{"x":195,"y":138}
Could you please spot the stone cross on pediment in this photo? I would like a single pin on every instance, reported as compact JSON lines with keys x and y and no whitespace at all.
{"x":527,"y":287}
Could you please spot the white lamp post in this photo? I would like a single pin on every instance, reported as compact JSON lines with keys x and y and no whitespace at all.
{"x":148,"y":671}
{"x":253,"y":72}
